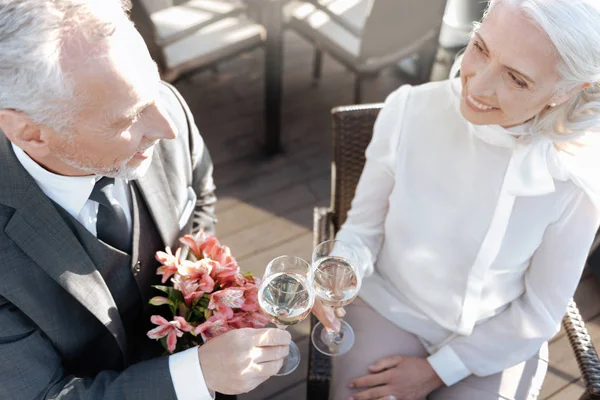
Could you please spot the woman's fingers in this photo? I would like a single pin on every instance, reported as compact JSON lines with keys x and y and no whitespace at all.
{"x":385,"y":363}
{"x":326,"y":315}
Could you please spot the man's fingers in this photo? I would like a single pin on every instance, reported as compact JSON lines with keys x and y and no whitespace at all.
{"x":271,"y":337}
{"x":371,"y":380}
{"x":270,"y":368}
{"x":271,"y":353}
{"x":385,"y":363}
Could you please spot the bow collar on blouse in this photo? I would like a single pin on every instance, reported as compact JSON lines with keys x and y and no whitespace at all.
{"x":536,"y":162}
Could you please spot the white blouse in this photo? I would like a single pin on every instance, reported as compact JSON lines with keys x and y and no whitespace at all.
{"x":477,"y":235}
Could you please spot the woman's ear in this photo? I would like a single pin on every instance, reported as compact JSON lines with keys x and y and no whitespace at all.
{"x":24,"y":132}
{"x":563,"y":97}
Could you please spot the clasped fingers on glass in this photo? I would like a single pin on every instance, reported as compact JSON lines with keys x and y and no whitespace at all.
{"x":336,"y":279}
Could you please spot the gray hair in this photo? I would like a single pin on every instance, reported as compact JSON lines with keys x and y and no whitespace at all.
{"x":572,"y":27}
{"x":32,"y":34}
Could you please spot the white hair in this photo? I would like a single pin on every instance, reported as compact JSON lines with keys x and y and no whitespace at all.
{"x":32,"y":34}
{"x":572,"y":28}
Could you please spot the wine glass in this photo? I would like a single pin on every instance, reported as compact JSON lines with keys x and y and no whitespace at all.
{"x":286,"y":296}
{"x":337,"y":279}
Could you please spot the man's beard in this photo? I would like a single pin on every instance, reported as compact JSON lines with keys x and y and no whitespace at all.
{"x":120,"y":170}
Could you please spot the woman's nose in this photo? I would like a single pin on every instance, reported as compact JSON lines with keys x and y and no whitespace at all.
{"x":482,"y":85}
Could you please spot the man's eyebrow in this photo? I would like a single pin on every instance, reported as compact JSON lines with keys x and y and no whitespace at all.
{"x":516,"y":71}
{"x":133,"y":113}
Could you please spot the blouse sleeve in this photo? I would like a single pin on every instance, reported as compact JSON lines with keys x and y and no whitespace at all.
{"x":365,"y":222}
{"x":516,"y":334}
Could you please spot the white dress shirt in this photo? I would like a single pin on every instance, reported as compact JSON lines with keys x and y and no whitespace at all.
{"x":72,"y":193}
{"x":477,"y":235}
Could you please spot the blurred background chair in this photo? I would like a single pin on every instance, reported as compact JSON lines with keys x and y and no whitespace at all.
{"x":184,"y":37}
{"x":352,"y":131}
{"x":369,"y":35}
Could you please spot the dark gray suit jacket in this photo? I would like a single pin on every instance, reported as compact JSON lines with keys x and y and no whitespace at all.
{"x":52,"y":297}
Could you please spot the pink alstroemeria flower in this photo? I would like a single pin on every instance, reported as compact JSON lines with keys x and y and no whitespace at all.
{"x":169,"y":261}
{"x":209,"y":245}
{"x":224,"y":301}
{"x":199,"y":271}
{"x":171,"y":329}
{"x":222,"y":255}
{"x":190,"y":289}
{"x":236,"y":280}
{"x":225,"y":273}
{"x":213,"y":327}
{"x":248,"y":320}
{"x":194,"y":242}
{"x":251,"y":298}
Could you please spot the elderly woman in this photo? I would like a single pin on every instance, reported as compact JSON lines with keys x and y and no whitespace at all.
{"x":478,"y":204}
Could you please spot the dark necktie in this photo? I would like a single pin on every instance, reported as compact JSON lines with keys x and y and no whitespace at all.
{"x":111,"y":225}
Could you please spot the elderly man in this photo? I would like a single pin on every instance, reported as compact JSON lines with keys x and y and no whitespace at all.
{"x":100,"y":166}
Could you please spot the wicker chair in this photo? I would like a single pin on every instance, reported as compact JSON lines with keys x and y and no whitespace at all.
{"x":352,"y":130}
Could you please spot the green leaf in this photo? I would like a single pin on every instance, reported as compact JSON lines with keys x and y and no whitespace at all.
{"x":162,"y":288}
{"x":183,"y":310}
{"x":176,"y":295}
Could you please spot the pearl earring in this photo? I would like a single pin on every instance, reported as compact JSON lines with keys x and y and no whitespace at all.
{"x":553,"y":105}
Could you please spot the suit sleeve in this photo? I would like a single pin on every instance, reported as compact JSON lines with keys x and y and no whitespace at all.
{"x":32,"y":368}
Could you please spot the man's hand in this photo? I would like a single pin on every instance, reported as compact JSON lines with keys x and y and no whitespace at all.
{"x":406,"y":378}
{"x":240,"y":360}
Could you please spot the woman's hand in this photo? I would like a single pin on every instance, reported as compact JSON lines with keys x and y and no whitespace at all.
{"x":405,"y":378}
{"x":327,"y":315}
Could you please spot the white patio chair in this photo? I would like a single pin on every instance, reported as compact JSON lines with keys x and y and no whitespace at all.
{"x":195,"y":34}
{"x":369,"y":35}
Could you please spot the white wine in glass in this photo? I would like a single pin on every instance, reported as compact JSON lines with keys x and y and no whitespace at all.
{"x":286,"y":299}
{"x":286,"y":296}
{"x":336,"y":279}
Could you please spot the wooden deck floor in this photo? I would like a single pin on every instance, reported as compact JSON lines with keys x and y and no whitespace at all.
{"x":265,"y":204}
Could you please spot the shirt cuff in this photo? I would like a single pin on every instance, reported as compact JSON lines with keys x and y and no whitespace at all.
{"x":449,"y":367}
{"x":187,"y":376}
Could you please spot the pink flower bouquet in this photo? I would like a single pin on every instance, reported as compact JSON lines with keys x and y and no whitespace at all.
{"x":208,"y":294}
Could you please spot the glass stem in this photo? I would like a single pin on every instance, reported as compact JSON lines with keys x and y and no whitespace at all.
{"x":331,"y":336}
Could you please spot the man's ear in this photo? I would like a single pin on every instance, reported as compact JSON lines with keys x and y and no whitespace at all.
{"x":24,"y":132}
{"x":563,"y":97}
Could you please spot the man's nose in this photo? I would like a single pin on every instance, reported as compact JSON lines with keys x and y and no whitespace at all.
{"x":163,"y":126}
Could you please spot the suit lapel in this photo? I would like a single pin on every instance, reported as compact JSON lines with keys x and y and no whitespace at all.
{"x":39,"y":230}
{"x":154,"y":187}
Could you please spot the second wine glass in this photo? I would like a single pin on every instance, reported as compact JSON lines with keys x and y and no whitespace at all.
{"x":337,"y":280}
{"x":286,"y":296}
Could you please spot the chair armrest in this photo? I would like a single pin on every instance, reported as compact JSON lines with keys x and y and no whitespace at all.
{"x":319,"y":365}
{"x":163,"y":42}
{"x":322,"y":225}
{"x":585,"y":353}
{"x":341,"y":21}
